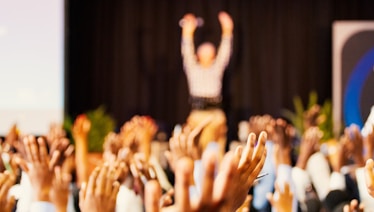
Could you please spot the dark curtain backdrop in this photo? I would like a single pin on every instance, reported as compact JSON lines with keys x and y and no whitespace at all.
{"x":126,"y":55}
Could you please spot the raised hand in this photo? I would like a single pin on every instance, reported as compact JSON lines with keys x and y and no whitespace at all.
{"x":112,"y":146}
{"x":369,"y":176}
{"x":353,"y":206}
{"x":227,"y":24}
{"x":6,"y":202}
{"x":227,"y":191}
{"x":55,"y":132}
{"x":59,"y":192}
{"x":39,"y":167}
{"x":142,"y":172}
{"x":100,"y":193}
{"x":282,"y":198}
{"x":81,"y":128}
{"x":280,"y":133}
{"x":355,"y":144}
{"x":186,"y":143}
{"x":145,"y":129}
{"x":251,"y":160}
{"x":309,"y":145}
{"x":189,"y":25}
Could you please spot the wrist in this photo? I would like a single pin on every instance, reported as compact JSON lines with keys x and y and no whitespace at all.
{"x":42,"y":195}
{"x":61,"y":208}
{"x":301,"y":163}
{"x":359,"y":159}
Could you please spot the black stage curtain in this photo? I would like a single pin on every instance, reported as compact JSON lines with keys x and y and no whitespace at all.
{"x":126,"y":54}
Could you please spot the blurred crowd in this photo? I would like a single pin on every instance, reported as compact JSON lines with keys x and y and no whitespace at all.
{"x":271,"y":168}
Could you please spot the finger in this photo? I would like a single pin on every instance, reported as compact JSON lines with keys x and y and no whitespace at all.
{"x":228,"y":172}
{"x":43,"y":153}
{"x":238,"y":152}
{"x":69,"y":150}
{"x":259,"y":152}
{"x":57,"y":171}
{"x":269,"y":197}
{"x":184,"y":171}
{"x":252,"y":173}
{"x":109,"y":182}
{"x":115,"y":190}
{"x":101,"y":181}
{"x":54,"y":159}
{"x":82,"y":194}
{"x":21,"y":163}
{"x":34,"y":149}
{"x":199,"y":128}
{"x":26,"y":144}
{"x":369,"y":175}
{"x":91,"y":185}
{"x":259,"y":149}
{"x":248,"y":150}
{"x":172,"y":143}
{"x":209,"y":160}
{"x":182,"y":143}
{"x":346,"y":208}
{"x":353,"y":204}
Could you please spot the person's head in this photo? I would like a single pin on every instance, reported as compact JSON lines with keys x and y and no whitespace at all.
{"x":206,"y":53}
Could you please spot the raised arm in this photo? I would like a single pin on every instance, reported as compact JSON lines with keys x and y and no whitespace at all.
{"x":81,"y":127}
{"x":189,"y":24}
{"x":225,"y":47}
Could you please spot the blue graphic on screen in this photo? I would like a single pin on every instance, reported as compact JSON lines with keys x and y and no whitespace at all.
{"x":356,"y":81}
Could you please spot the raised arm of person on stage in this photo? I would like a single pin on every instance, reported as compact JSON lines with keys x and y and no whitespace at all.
{"x":189,"y":24}
{"x":225,"y":47}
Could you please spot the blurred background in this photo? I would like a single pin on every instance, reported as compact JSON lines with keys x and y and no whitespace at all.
{"x":125,"y":55}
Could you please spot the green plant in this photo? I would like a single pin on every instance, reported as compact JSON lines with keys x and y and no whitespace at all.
{"x":311,"y":115}
{"x":101,"y":124}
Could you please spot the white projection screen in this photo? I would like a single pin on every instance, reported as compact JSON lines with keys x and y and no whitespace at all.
{"x":31,"y":64}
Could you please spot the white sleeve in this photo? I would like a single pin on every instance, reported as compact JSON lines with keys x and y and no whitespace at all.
{"x":319,"y":171}
{"x":364,"y":194}
{"x":223,"y":54}
{"x":188,"y":54}
{"x":337,"y":181}
{"x":40,"y":206}
{"x":284,"y":175}
{"x":301,"y":181}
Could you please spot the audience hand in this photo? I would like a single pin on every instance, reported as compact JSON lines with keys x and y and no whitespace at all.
{"x":353,"y":206}
{"x":145,"y":129}
{"x":56,"y":132}
{"x":280,"y":134}
{"x":225,"y":192}
{"x":81,"y":128}
{"x":355,"y":144}
{"x":282,"y":198}
{"x":309,"y":145}
{"x":369,"y":176}
{"x":369,"y":144}
{"x":39,"y":167}
{"x":245,"y":207}
{"x":251,"y":160}
{"x":6,"y":181}
{"x":59,"y":192}
{"x":186,"y":143}
{"x":100,"y":193}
